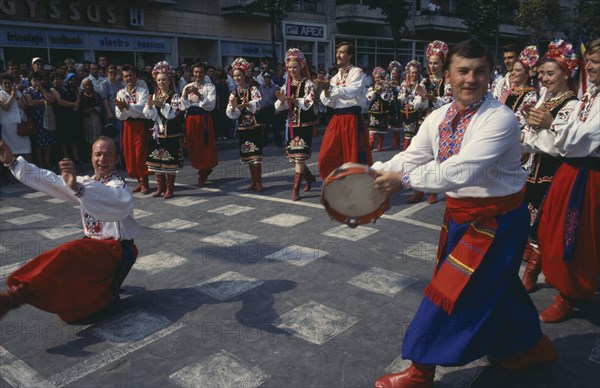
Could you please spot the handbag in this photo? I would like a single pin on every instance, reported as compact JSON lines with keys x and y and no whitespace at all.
{"x":49,"y":118}
{"x":26,"y":127}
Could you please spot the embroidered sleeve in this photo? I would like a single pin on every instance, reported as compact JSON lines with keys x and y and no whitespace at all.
{"x":112,"y":201}
{"x":231,"y":112}
{"x":349,"y":89}
{"x":209,"y":101}
{"x":306,"y":102}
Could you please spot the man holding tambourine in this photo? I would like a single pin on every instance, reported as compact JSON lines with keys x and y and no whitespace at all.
{"x":475,"y":305}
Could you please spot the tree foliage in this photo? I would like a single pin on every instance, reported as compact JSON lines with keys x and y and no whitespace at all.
{"x":276,"y":11}
{"x":396,"y":13}
{"x":535,"y":17}
{"x":483,"y":17}
{"x":586,"y":19}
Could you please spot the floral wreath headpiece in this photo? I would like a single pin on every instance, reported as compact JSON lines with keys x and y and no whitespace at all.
{"x":414,"y":63}
{"x":395,"y":65}
{"x":529,"y":57}
{"x":437,"y":47}
{"x":295,"y":54}
{"x":240,"y":64}
{"x":380,"y":72}
{"x":163,"y":67}
{"x":562,"y":52}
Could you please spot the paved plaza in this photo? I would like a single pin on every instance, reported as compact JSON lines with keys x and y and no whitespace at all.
{"x":242,"y":289}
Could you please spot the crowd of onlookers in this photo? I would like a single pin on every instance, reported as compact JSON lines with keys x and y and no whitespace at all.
{"x":70,"y":104}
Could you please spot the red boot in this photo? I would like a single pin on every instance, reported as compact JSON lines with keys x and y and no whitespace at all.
{"x":396,"y":140}
{"x":432,"y":198}
{"x":160,"y":185}
{"x":13,"y":297}
{"x":417,"y":196}
{"x":380,"y":144}
{"x":416,"y":376}
{"x":533,"y":269}
{"x":542,"y":352}
{"x":144,"y":185}
{"x":406,"y":143}
{"x":309,"y":178}
{"x":169,"y":193}
{"x":256,"y":173}
{"x":371,"y":140}
{"x":560,"y":310}
{"x":296,"y":187}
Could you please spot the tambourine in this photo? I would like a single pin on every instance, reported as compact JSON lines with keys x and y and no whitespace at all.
{"x":350,"y":197}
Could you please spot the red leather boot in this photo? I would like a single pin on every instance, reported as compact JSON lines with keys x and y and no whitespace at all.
{"x":309,"y":178}
{"x":380,"y":144}
{"x":532,"y":270}
{"x":144,"y":185}
{"x":396,"y":140}
{"x":416,"y":376}
{"x":170,"y":192}
{"x":160,"y":185}
{"x":560,"y":310}
{"x":371,"y":140}
{"x":296,"y":187}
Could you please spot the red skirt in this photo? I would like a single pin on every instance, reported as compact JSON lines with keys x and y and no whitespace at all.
{"x":200,"y":140}
{"x":577,"y":278}
{"x":73,"y":280}
{"x":135,"y":147}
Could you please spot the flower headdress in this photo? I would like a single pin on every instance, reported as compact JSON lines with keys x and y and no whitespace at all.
{"x":414,"y":63}
{"x":395,"y":65}
{"x":380,"y":72}
{"x":417,"y":65}
{"x":295,"y":54}
{"x":529,"y":58}
{"x":437,"y":47}
{"x":240,"y":64}
{"x":562,"y":52}
{"x":164,"y":68}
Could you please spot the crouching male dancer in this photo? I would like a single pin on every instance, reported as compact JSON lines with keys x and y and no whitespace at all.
{"x":82,"y":276}
{"x":475,"y":305}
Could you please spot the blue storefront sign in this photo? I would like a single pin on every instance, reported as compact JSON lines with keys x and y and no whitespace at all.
{"x":22,"y":37}
{"x":130,"y":43}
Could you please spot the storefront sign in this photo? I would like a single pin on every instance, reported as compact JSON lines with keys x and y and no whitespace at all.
{"x":130,"y":43}
{"x":56,"y":10}
{"x":22,"y":37}
{"x":304,"y":30}
{"x":247,"y":49}
{"x":73,"y":40}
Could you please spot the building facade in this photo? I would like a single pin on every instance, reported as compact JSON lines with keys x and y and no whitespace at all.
{"x":217,"y":31}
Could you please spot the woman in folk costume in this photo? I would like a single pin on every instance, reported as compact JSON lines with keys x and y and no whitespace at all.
{"x":569,"y":231}
{"x":243,"y":104}
{"x":378,"y":97}
{"x":298,"y":94}
{"x":568,"y":234}
{"x":556,"y":74}
{"x":395,"y":73}
{"x":165,"y":156}
{"x":412,"y":108}
{"x":437,"y":91}
{"x":522,"y":94}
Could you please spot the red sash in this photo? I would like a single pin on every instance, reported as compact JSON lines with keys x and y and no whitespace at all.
{"x":451,"y":277}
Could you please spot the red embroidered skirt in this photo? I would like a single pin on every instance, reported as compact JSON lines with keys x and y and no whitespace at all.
{"x":577,"y":278}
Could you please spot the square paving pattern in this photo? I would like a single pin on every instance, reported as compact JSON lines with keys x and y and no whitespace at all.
{"x":382,"y":281}
{"x":222,"y":369}
{"x":297,"y":255}
{"x":228,"y":285}
{"x":314,"y":322}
